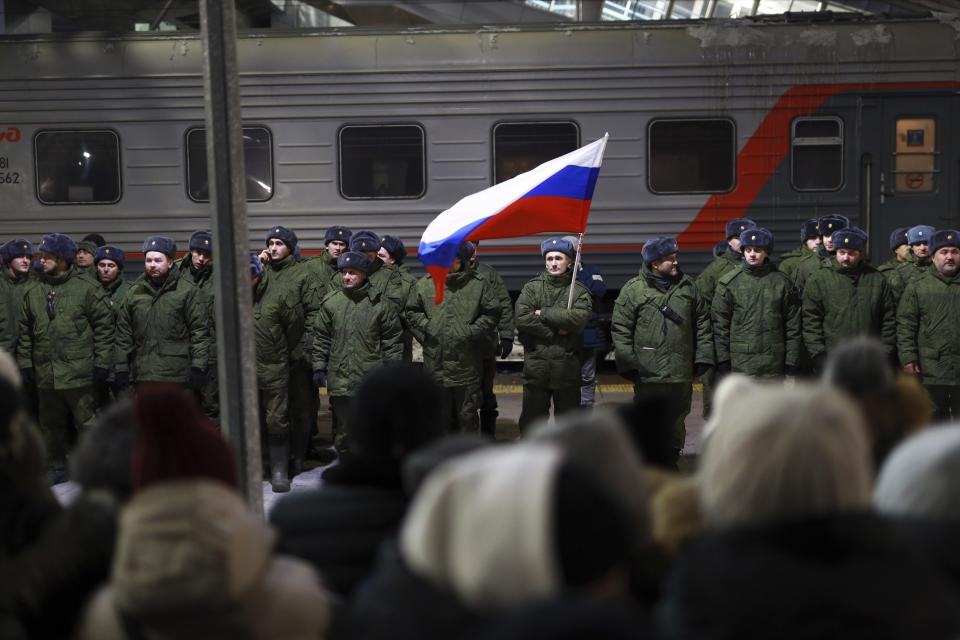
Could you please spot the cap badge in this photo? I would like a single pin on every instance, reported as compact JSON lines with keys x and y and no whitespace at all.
{"x":753,"y":237}
{"x":919,"y":233}
{"x":950,"y":237}
{"x":154,"y":243}
{"x":846,"y":241}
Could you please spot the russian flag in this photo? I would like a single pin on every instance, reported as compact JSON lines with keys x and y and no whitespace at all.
{"x":553,"y":197}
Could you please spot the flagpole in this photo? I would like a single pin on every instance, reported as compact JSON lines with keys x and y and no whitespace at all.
{"x":576,"y":270}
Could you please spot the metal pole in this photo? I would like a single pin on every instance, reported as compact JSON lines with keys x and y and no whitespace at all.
{"x":576,"y":270}
{"x":236,"y":359}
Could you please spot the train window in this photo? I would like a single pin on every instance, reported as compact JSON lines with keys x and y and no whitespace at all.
{"x":816,"y":154}
{"x":382,"y":161}
{"x":916,"y":155}
{"x":521,"y":146}
{"x":257,"y":160}
{"x":77,"y":167}
{"x":691,"y":156}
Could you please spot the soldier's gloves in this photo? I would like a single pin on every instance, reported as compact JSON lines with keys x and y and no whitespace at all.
{"x":121,"y":381}
{"x":100,"y":376}
{"x":723,"y":368}
{"x":700,"y":369}
{"x":631,"y":375}
{"x":506,"y":347}
{"x":29,"y":375}
{"x":319,"y":379}
{"x":197,"y":377}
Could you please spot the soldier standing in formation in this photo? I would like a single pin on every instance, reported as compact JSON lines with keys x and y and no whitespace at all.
{"x":661,"y":334}
{"x":918,"y":261}
{"x":550,"y":333}
{"x":901,"y":254}
{"x":17,"y":256}
{"x":809,"y":244}
{"x":109,"y":261}
{"x":826,"y":225}
{"x":65,"y":345}
{"x":197,"y":268}
{"x":593,"y":344}
{"x":393,"y":253}
{"x":927,"y":337}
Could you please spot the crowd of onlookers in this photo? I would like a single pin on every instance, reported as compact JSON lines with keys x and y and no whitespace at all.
{"x":827,"y":509}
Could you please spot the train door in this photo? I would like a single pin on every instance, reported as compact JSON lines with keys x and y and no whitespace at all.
{"x":918,"y":167}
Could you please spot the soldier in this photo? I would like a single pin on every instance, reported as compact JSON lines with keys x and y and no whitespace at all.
{"x":17,"y":256}
{"x":278,"y":328}
{"x":593,"y":345}
{"x":827,"y":225}
{"x":918,"y":262}
{"x":927,"y":337}
{"x":84,"y":258}
{"x":454,"y":334}
{"x":901,"y":254}
{"x":197,"y":269}
{"x":109,"y":261}
{"x":809,"y":243}
{"x":324,"y":267}
{"x":358,"y":329}
{"x":661,"y":334}
{"x":755,"y":314}
{"x":847,"y":299}
{"x":387,"y":279}
{"x":393,"y":253}
{"x":550,"y":334}
{"x":500,"y":343}
{"x":163,"y":328}
{"x":65,"y":343}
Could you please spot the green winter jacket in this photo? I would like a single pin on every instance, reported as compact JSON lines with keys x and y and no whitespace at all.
{"x":891,"y":271}
{"x":64,"y":350}
{"x":117,"y":293}
{"x":843,"y":303}
{"x":163,"y":332}
{"x":323,"y":270}
{"x":454,"y":333}
{"x":656,"y":347}
{"x":914,"y":268}
{"x":927,"y":328}
{"x":756,"y":321}
{"x":297,"y":279}
{"x":12,"y":289}
{"x":277,"y":329}
{"x":551,"y":359}
{"x":505,"y":328}
{"x":810,"y":264}
{"x":707,"y":281}
{"x":358,"y":330}
{"x":791,"y":260}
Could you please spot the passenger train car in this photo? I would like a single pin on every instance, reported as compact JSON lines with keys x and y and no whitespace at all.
{"x":779,"y":120}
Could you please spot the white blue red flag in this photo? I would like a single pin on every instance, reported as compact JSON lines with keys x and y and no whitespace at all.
{"x":554,"y":197}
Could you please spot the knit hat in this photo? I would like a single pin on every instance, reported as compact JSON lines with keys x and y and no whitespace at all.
{"x":364,"y":241}
{"x":809,"y":230}
{"x":337,"y":232}
{"x":898,"y":237}
{"x":164,"y":245}
{"x":944,"y":238}
{"x":284,"y":235}
{"x":88,"y":246}
{"x":353,"y":260}
{"x":95,"y":238}
{"x":832,"y":222}
{"x":109,"y":252}
{"x":201,"y":241}
{"x":851,"y":238}
{"x":59,"y":245}
{"x":758,"y":237}
{"x":466,"y":251}
{"x":256,"y":267}
{"x":658,"y":248}
{"x":394,"y":246}
{"x":738,"y":225}
{"x":558,"y":244}
{"x":920,"y":233}
{"x":176,"y":440}
{"x":15,"y":249}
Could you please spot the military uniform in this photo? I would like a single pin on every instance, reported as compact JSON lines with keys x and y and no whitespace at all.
{"x":891,"y":271}
{"x":202,"y":279}
{"x":914,"y":269}
{"x":502,"y":334}
{"x":13,"y":286}
{"x":790,"y":261}
{"x":454,"y":335}
{"x":706,"y":283}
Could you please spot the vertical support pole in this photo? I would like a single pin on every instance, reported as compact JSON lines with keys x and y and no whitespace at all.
{"x":236,"y":359}
{"x":576,"y":270}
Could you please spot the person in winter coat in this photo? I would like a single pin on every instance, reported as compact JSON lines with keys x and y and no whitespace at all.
{"x":927,"y":338}
{"x":393,"y":253}
{"x":358,"y":330}
{"x":812,"y":262}
{"x":755,"y":314}
{"x":594,"y":345}
{"x":65,"y":346}
{"x":918,"y":261}
{"x":323,"y":268}
{"x":277,"y":329}
{"x":16,"y":256}
{"x":455,"y":333}
{"x":550,"y":333}
{"x":191,"y":559}
{"x":197,"y":268}
{"x":809,"y":243}
{"x":849,"y":298}
{"x":109,"y":262}
{"x":901,"y":254}
{"x":163,"y":330}
{"x":661,"y":333}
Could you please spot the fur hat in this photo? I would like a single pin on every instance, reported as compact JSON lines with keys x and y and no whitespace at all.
{"x":944,"y":238}
{"x":658,"y":248}
{"x":88,"y":246}
{"x":757,"y":237}
{"x":201,"y":241}
{"x":920,"y":233}
{"x":95,"y":238}
{"x":284,"y":235}
{"x":738,"y":225}
{"x":850,"y":238}
{"x":256,"y":267}
{"x":394,"y":246}
{"x":337,"y":232}
{"x":110,"y":252}
{"x":809,"y":230}
{"x":898,"y":237}
{"x":720,"y":248}
{"x":15,"y":249}
{"x":364,"y":241}
{"x":353,"y":260}
{"x":59,"y":245}
{"x":558,"y":244}
{"x":164,"y":245}
{"x":832,"y":222}
{"x":466,"y":251}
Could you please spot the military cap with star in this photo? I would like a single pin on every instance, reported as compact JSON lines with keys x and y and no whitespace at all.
{"x":945,"y":238}
{"x":852,"y":238}
{"x":557,"y":244}
{"x":738,"y":225}
{"x":284,"y":235}
{"x":201,"y":241}
{"x":758,"y":237}
{"x":831,"y":223}
{"x":353,"y":260}
{"x":15,"y":249}
{"x":163,"y":244}
{"x":337,"y":232}
{"x":920,"y":234}
{"x":110,"y":252}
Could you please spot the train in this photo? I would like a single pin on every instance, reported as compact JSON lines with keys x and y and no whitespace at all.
{"x":777,"y":119}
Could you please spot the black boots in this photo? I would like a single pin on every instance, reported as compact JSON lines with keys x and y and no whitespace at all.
{"x":279,"y":458}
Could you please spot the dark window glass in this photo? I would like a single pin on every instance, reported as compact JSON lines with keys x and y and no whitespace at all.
{"x":382,"y":161}
{"x":77,"y":167}
{"x":816,"y":154}
{"x":521,"y":146}
{"x":692,"y":156}
{"x":257,"y":160}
